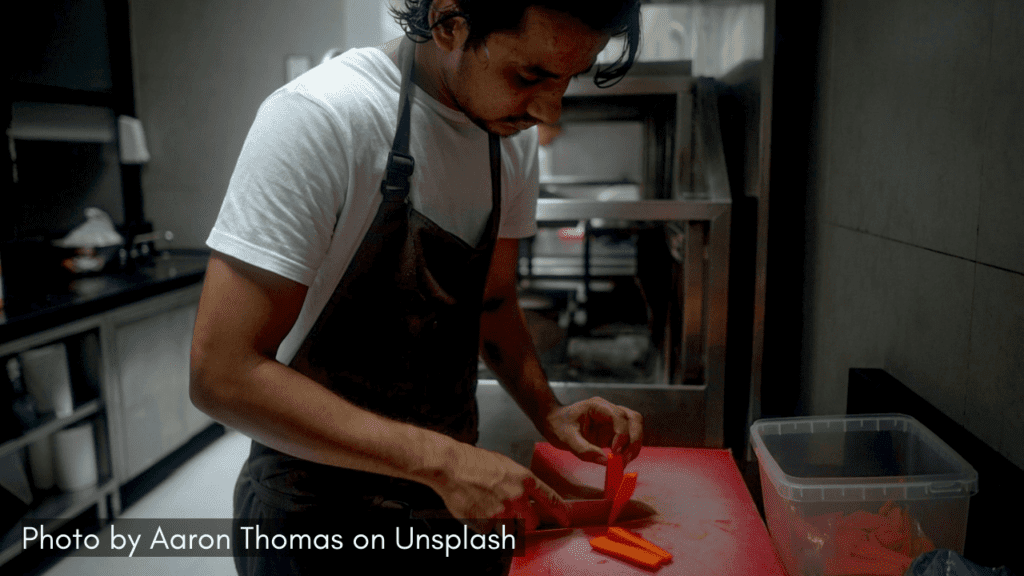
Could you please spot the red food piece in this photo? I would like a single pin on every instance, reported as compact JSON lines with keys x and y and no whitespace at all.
{"x":876,"y":544}
{"x":871,"y":551}
{"x":886,"y":536}
{"x":920,"y":545}
{"x":886,"y":508}
{"x":853,"y":566}
{"x":613,"y":476}
{"x":631,"y":554}
{"x":863,"y":520}
{"x":626,"y":488}
{"x":626,"y":537}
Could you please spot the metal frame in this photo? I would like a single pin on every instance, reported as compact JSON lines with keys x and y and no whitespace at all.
{"x":696,"y":205}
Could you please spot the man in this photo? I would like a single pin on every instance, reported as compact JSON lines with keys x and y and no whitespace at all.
{"x":364,"y":258}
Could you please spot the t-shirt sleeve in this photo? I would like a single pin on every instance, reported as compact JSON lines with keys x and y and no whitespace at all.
{"x":287,"y":189}
{"x":519,"y":220}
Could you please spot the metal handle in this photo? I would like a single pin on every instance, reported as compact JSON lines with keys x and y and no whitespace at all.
{"x":143,"y":238}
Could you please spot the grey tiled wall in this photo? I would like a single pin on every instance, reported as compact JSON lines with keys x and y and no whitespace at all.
{"x":920,"y":209}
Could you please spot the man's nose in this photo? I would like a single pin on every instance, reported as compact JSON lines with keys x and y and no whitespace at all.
{"x":546,"y":105}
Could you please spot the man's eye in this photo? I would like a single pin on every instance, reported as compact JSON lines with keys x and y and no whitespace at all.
{"x":525,"y":81}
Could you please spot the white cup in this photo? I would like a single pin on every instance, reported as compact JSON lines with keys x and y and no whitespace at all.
{"x":74,"y":458}
{"x":45,"y":371}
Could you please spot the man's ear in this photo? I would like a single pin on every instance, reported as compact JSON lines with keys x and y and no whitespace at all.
{"x":449,"y":32}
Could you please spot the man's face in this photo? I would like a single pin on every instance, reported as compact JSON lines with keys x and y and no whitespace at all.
{"x":516,"y":79}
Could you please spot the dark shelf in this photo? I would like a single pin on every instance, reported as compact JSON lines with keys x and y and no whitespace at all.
{"x":26,"y":92}
{"x":48,"y":426}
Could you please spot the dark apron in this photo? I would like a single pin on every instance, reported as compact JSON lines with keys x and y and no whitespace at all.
{"x":399,"y":337}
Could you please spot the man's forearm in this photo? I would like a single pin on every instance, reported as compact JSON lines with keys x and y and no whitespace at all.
{"x":287,"y":411}
{"x":507,"y":348}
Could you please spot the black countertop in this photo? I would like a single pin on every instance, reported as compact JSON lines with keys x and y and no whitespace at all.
{"x":57,"y":304}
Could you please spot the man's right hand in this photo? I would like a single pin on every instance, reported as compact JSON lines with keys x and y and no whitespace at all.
{"x":482,"y":487}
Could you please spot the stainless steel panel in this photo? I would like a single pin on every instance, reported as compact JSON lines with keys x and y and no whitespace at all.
{"x":694,"y":265}
{"x":557,"y":209}
{"x":685,"y":192}
{"x":673,"y":415}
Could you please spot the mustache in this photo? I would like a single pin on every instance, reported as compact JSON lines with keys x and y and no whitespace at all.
{"x":521,"y":120}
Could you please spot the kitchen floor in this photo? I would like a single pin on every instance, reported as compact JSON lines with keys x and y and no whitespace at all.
{"x":200,"y":488}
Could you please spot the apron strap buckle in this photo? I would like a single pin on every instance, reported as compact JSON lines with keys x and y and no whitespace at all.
{"x":395,"y":186}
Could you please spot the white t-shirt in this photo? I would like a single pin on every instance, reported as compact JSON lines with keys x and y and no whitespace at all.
{"x":307,"y":183}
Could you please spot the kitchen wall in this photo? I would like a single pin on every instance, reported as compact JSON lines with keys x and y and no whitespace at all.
{"x":916,"y":244}
{"x":203,"y":68}
{"x":201,"y":71}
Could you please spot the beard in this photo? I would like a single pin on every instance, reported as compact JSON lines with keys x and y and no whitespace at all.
{"x":503,"y":127}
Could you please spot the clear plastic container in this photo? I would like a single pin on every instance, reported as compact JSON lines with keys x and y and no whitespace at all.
{"x":838,"y":489}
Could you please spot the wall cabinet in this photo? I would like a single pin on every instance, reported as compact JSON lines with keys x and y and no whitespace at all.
{"x":128,"y":371}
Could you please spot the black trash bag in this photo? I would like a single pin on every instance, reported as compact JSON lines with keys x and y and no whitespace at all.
{"x":949,"y":563}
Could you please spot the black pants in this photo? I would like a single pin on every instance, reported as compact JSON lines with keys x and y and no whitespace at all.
{"x":330,"y":520}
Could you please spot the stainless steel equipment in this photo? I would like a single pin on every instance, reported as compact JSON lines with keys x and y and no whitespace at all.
{"x":656,"y":238}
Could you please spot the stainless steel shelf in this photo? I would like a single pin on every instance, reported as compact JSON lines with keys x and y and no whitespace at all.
{"x":554,"y":267}
{"x":568,"y":180}
{"x":639,"y":210}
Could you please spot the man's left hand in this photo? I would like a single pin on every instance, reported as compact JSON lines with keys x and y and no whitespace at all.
{"x":588,"y":426}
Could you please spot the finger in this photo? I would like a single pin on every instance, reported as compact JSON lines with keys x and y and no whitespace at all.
{"x":636,"y":434}
{"x":548,"y":501}
{"x":631,"y":442}
{"x":576,"y":441}
{"x":606,"y":424}
{"x":523,"y":510}
{"x":620,"y":443}
{"x":615,"y":434}
{"x":621,"y":424}
{"x":585,"y":450}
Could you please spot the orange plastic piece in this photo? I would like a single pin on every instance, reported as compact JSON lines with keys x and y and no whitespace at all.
{"x":626,"y":488}
{"x":920,"y":545}
{"x":871,"y":551}
{"x":854,"y":566}
{"x":879,"y":544}
{"x":626,"y":537}
{"x":863,"y":520}
{"x":631,"y":554}
{"x":847,"y":538}
{"x":613,"y":475}
{"x":905,"y":533}
{"x":886,"y":536}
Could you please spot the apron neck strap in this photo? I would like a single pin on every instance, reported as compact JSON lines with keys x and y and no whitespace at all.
{"x":395,"y":186}
{"x":401,"y":164}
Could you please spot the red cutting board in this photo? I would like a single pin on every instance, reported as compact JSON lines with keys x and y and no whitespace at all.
{"x":701,"y":512}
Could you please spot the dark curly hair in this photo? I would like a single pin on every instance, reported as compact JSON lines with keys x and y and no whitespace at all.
{"x":614,"y":17}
